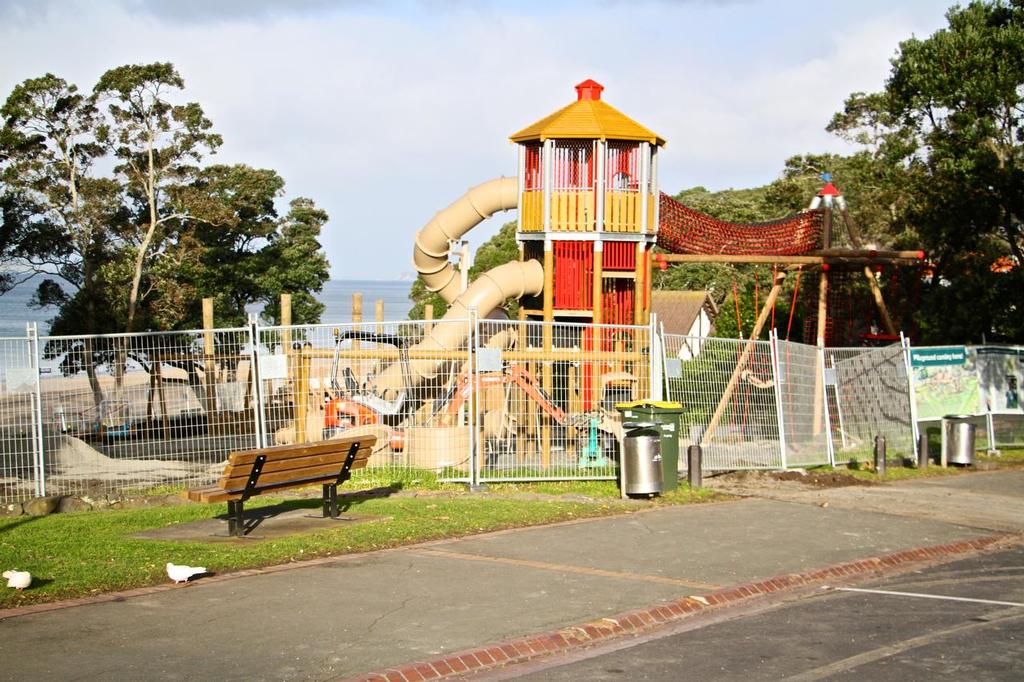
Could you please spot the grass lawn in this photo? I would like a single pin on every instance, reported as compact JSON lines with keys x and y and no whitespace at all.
{"x":71,"y":555}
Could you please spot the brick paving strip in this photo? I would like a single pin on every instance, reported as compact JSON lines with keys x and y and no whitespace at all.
{"x":639,"y":621}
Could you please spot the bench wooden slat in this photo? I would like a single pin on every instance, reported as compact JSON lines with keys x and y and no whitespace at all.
{"x":285,"y":466}
{"x":271,"y":465}
{"x":300,"y":474}
{"x":279,"y":452}
{"x":198,"y":494}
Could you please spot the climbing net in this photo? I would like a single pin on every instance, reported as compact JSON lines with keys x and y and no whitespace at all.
{"x":684,"y":230}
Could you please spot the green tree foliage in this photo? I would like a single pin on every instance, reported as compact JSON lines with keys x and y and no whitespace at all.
{"x":140,"y":246}
{"x":498,"y":250}
{"x":946,"y":131}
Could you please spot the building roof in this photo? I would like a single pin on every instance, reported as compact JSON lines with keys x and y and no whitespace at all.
{"x":590,"y":118}
{"x":678,"y":310}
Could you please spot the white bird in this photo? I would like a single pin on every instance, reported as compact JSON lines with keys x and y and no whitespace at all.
{"x":182,"y":574}
{"x":19,"y":580}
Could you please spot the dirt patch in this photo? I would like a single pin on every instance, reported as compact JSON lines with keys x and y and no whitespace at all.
{"x":830,"y":479}
{"x":751,"y":482}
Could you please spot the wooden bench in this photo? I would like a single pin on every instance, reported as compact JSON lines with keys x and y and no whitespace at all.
{"x":254,"y":472}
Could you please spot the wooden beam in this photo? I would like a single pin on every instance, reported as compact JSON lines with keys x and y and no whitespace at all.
{"x":818,"y":378}
{"x":741,"y":363}
{"x":812,"y":258}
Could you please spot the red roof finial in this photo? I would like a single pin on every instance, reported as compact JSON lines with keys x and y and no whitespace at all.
{"x":829,"y":190}
{"x":589,"y":90}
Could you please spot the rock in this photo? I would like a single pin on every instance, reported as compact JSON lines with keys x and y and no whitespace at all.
{"x":42,"y":506}
{"x":14,"y":509}
{"x":73,"y":504}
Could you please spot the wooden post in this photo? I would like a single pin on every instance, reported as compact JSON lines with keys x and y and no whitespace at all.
{"x":546,"y":375}
{"x":286,"y":321}
{"x":428,"y":318}
{"x":820,"y":342}
{"x":876,"y":292}
{"x":357,"y":316}
{"x":379,"y":315}
{"x":730,"y":388}
{"x":164,"y":419}
{"x":209,"y":368}
{"x":883,"y":311}
{"x":302,"y":396}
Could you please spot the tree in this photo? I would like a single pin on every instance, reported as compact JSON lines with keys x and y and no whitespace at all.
{"x":948,"y":127}
{"x":294,"y":263}
{"x":56,"y":213}
{"x":157,"y":145}
{"x":140,"y":245}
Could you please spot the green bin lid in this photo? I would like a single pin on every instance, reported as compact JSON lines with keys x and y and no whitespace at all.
{"x":662,"y":404}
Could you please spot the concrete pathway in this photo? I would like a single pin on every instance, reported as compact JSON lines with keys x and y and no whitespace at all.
{"x":342,"y":617}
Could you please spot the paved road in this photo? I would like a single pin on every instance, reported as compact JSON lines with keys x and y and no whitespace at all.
{"x":838,"y":635}
{"x":989,"y":500}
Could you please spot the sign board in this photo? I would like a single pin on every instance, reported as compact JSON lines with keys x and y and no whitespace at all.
{"x":939,"y":356}
{"x":945,"y":381}
{"x":488,"y":359}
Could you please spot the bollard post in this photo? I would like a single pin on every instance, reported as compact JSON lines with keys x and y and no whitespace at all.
{"x":694,"y":457}
{"x":922,"y":450}
{"x":880,"y":455}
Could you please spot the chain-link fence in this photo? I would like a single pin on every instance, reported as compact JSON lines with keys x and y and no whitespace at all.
{"x":545,"y":397}
{"x":466,"y":400}
{"x":398,"y":381}
{"x":130,"y":412}
{"x":803,"y":424}
{"x":20,"y":444}
{"x":730,"y":405}
{"x":869,"y":395}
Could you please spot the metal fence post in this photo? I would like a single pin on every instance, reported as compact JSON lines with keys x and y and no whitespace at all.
{"x":38,"y":442}
{"x":257,"y":387}
{"x":657,"y":360}
{"x":830,"y":445}
{"x":773,"y":347}
{"x":473,"y":413}
{"x":915,"y":431}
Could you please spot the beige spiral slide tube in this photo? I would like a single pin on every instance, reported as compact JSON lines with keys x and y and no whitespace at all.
{"x":430,"y":256}
{"x":487,"y":292}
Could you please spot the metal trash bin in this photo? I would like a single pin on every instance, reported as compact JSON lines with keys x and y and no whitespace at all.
{"x":958,"y":435}
{"x":665,"y":418}
{"x":641,"y":460}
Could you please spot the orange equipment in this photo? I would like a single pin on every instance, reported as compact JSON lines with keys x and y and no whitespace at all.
{"x":466,"y":383}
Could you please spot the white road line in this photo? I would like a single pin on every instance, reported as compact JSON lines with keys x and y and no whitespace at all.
{"x":926,"y":596}
{"x":847,"y":664}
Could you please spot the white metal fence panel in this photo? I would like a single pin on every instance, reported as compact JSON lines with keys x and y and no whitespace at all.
{"x":727,"y":389}
{"x":869,"y":395}
{"x":545,"y":395}
{"x":390,"y":379}
{"x":799,"y":382}
{"x":21,"y":472}
{"x":130,"y":412}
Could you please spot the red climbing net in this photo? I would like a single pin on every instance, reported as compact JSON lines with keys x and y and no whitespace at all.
{"x":684,"y":230}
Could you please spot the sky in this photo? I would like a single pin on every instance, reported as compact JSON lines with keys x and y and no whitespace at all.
{"x":385,"y":113}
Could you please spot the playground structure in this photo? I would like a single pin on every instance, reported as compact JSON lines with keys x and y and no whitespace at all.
{"x":473,"y":393}
{"x":590,"y":213}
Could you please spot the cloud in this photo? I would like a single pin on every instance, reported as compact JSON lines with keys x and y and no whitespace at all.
{"x":384,"y":116}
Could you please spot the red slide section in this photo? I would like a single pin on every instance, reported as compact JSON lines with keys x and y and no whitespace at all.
{"x":684,"y":230}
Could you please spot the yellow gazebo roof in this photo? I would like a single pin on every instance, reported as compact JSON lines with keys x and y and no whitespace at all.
{"x":590,"y":118}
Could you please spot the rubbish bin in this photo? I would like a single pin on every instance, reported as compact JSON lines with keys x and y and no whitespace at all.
{"x":641,"y":459}
{"x":665,"y":417}
{"x":958,"y":439}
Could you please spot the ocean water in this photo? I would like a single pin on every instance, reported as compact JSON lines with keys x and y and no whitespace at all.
{"x":15,"y":311}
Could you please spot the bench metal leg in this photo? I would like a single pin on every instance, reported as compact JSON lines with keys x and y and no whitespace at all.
{"x":236,"y":522}
{"x":330,"y":500}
